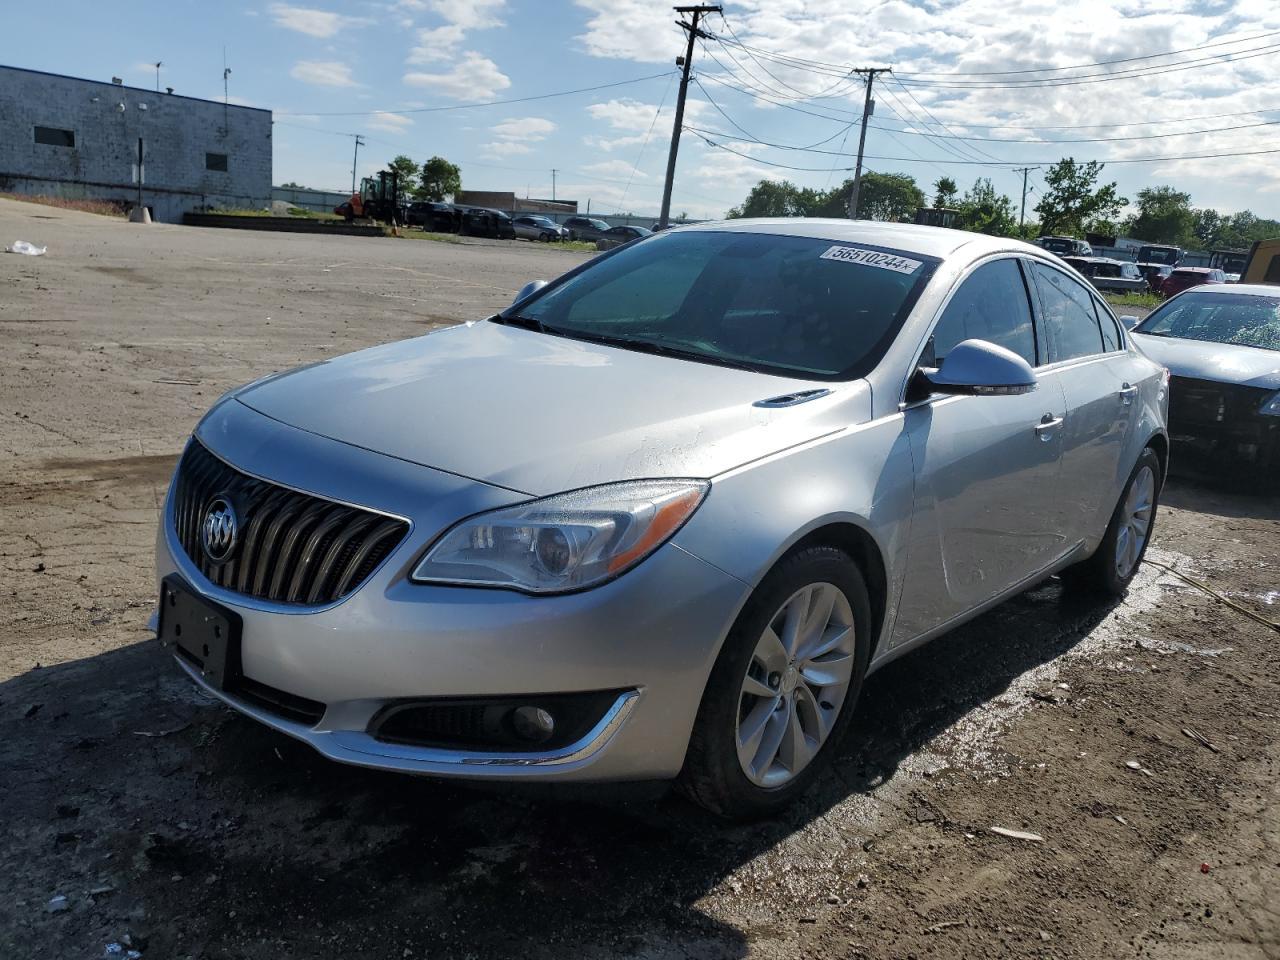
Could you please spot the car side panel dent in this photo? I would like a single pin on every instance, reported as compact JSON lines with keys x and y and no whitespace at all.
{"x":861,"y":476}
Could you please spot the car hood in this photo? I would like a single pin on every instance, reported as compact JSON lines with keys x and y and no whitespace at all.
{"x":541,"y":414}
{"x":1205,"y":360}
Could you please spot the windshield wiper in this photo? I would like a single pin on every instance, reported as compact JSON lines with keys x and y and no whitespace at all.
{"x":524,"y":323}
{"x":657,"y":348}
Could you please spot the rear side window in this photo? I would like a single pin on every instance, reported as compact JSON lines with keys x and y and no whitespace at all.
{"x":1273,"y":270}
{"x":990,"y":305}
{"x":1110,"y":332}
{"x":1069,"y":316}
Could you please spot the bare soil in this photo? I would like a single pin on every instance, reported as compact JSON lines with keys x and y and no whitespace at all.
{"x":162,"y":817}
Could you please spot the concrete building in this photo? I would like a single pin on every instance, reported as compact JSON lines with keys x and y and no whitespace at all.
{"x":87,"y":139}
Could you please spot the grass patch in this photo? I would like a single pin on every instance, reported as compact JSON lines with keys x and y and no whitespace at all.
{"x":577,"y":246}
{"x":411,"y":234}
{"x":299,"y":212}
{"x":102,"y":208}
{"x":1148,"y":300}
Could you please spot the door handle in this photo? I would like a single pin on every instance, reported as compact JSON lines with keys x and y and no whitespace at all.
{"x":1048,"y":423}
{"x":1127,"y":393}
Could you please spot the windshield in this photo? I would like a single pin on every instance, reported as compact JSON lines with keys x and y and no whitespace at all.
{"x":1237,"y":318}
{"x":1054,"y":245}
{"x":1157,"y":255}
{"x":788,"y":305}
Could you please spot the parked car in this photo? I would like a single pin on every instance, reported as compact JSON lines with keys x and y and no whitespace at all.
{"x":1153,"y":257}
{"x":1065,"y":246}
{"x":480,"y":222}
{"x":1113,"y":275}
{"x":434,"y":217}
{"x":811,"y":446}
{"x":533,"y":227}
{"x":1183,"y":278}
{"x":585,"y":228}
{"x":1221,"y":344}
{"x":1230,"y":262}
{"x":616,"y":236}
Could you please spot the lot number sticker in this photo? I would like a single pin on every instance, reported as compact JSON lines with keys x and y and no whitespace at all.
{"x":872,"y":258}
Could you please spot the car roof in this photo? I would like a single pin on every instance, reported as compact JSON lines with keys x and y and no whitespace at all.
{"x":930,"y":241}
{"x":1248,"y":289}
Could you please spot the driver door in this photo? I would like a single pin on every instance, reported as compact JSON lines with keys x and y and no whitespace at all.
{"x":986,"y":514}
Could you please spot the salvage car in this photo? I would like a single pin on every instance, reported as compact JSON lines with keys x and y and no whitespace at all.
{"x":1221,"y":344}
{"x":616,"y":236}
{"x":1157,"y":261}
{"x":1105,"y":274}
{"x":534,"y":227}
{"x":1184,"y":278}
{"x":661,"y":517}
{"x":481,"y":222}
{"x":1065,"y":246}
{"x":585,"y":228}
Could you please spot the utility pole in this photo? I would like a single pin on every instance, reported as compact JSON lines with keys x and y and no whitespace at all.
{"x":1024,"y":171}
{"x":686,"y":62}
{"x":868,"y":107}
{"x":159,"y":64}
{"x":553,"y":184}
{"x":355,"y":156}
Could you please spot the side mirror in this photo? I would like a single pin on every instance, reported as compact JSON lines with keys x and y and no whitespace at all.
{"x":1130,"y":321}
{"x":529,"y":289}
{"x":978,"y":368}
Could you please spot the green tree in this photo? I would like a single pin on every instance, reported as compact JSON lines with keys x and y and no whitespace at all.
{"x":945,"y":192}
{"x":440,"y":179}
{"x":983,"y":210}
{"x":1072,"y":198}
{"x":778,"y":198}
{"x":883,"y":196}
{"x":406,"y":170}
{"x":1164,"y":215}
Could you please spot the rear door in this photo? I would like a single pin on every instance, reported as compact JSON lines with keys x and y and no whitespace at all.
{"x":986,"y":514}
{"x":1099,"y":380}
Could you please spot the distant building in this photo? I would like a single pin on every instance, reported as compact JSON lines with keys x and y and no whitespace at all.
{"x":87,"y":139}
{"x":499,"y":200}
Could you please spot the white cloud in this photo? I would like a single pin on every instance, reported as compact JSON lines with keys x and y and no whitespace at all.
{"x":323,"y":73}
{"x":620,"y":169}
{"x":436,"y":43}
{"x":506,"y":148}
{"x":473,"y":78}
{"x":314,"y":23}
{"x":389,"y":122}
{"x":440,"y":43}
{"x":527,"y":128}
{"x":631,"y":30}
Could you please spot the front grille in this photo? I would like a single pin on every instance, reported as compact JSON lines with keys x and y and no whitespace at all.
{"x":291,"y":547}
{"x":1200,"y":403}
{"x":280,"y":702}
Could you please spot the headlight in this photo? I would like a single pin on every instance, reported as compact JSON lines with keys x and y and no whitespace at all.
{"x":566,"y":542}
{"x":1272,"y":407}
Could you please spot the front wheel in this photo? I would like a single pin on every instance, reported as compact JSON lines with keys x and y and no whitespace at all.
{"x":783,"y":689}
{"x":1115,"y":563}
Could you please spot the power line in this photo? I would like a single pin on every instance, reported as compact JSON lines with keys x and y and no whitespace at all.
{"x":1126,"y":123}
{"x":644,"y":143}
{"x":483,"y":103}
{"x":927,"y":113}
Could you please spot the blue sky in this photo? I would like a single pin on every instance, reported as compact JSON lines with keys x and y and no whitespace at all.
{"x":335,"y":68}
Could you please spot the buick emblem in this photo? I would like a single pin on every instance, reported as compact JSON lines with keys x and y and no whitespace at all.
{"x":219,"y":530}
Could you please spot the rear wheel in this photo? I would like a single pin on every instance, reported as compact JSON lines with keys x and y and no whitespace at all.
{"x":783,"y":689}
{"x":1115,"y":563}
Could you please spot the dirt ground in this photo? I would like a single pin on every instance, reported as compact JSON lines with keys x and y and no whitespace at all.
{"x":174,"y":828}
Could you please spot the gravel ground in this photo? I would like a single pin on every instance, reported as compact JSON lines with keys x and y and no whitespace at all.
{"x":162,"y":817}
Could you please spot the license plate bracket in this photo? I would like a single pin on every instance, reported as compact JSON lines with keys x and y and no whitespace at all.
{"x":205,"y":634}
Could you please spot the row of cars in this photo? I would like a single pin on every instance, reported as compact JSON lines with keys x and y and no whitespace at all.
{"x":484,"y":222}
{"x":1160,"y":269}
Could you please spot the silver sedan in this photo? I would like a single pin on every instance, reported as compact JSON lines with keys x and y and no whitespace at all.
{"x":661,"y":517}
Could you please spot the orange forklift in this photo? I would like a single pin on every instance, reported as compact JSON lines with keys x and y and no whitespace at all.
{"x":378,"y":199}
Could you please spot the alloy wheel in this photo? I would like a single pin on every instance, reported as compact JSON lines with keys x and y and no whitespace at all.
{"x":795,"y":684}
{"x":1135,"y":521}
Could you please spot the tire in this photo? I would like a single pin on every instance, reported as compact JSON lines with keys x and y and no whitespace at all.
{"x":713,"y":775}
{"x":544,"y":237}
{"x":1104,"y":573}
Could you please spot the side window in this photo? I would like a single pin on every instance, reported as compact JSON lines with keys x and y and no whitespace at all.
{"x":1068,"y":315}
{"x":990,"y":305}
{"x":1273,"y":270}
{"x":1110,"y":332}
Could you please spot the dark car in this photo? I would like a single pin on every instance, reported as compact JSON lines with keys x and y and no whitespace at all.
{"x":585,"y":228}
{"x":436,"y":217}
{"x":1154,"y":256}
{"x":480,"y":222}
{"x":1184,"y":278}
{"x":1221,"y":344}
{"x":1111,"y":275}
{"x":1065,"y":246}
{"x":617,"y":236}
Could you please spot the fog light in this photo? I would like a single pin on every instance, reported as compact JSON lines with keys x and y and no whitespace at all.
{"x":533,"y":723}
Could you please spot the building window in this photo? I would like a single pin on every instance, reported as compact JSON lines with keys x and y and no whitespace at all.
{"x":215,"y":161}
{"x":55,"y":137}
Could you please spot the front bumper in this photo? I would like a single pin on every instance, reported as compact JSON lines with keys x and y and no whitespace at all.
{"x":653,"y":634}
